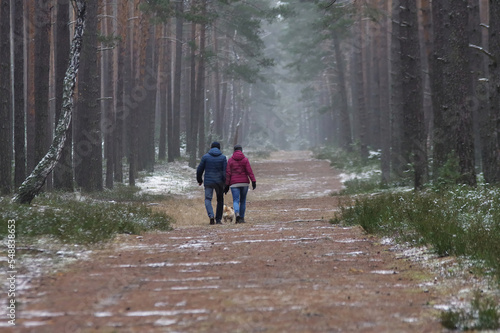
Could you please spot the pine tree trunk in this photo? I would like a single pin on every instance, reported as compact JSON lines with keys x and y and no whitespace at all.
{"x":121,"y":77}
{"x":217,"y":91}
{"x":441,"y":144}
{"x":385,"y":119}
{"x":174,"y":140}
{"x":455,"y":110}
{"x":149,"y":112}
{"x":164,"y":59}
{"x":192,"y":128}
{"x":200,"y":83}
{"x":30,"y":88}
{"x":107,"y":94}
{"x":492,"y":137}
{"x":345,"y":121}
{"x":42,"y":59}
{"x":5,"y":100}
{"x":33,"y":184}
{"x":88,"y":136}
{"x":19,"y":102}
{"x":413,"y":120}
{"x":398,"y":163}
{"x":478,"y":98}
{"x":360,"y":86}
{"x":170,"y":97}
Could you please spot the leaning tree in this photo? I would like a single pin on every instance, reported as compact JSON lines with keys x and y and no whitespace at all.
{"x":35,"y":181}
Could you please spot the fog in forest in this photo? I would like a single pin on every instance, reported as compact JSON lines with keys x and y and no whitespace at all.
{"x":160,"y":80}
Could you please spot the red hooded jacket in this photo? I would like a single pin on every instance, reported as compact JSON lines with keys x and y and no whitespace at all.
{"x":238,"y":169}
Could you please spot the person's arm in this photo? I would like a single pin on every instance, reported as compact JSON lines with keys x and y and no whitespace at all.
{"x":249,"y":171}
{"x":228,"y":172}
{"x":200,"y":170}
{"x":250,"y":174}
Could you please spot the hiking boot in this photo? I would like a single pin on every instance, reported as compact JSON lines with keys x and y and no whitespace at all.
{"x":218,"y":222}
{"x":212,"y":220}
{"x":242,"y":220}
{"x":238,"y":219}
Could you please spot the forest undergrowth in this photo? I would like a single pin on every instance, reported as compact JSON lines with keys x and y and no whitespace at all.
{"x":85,"y":220}
{"x":451,"y":220}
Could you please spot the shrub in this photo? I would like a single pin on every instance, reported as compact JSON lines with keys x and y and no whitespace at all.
{"x":87,"y":222}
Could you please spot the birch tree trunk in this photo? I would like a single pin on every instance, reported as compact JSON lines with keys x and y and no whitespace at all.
{"x":32,"y":185}
{"x":63,"y":172}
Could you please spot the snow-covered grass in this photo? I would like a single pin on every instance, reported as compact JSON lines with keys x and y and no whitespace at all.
{"x":83,"y":221}
{"x":169,"y":178}
{"x":461,"y":222}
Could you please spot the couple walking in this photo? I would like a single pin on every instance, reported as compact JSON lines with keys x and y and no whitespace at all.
{"x":221,"y":176}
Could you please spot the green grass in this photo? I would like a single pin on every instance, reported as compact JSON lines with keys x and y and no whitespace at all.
{"x":461,"y":221}
{"x":79,"y":222}
{"x":482,"y":315}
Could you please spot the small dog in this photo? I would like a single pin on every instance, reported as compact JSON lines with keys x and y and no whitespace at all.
{"x":228,"y":214}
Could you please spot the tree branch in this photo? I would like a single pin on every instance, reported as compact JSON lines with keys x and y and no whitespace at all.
{"x":479,"y":48}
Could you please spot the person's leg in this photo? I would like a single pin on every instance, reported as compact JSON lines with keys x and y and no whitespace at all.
{"x":243,"y":200}
{"x":219,"y":191}
{"x":235,"y":191}
{"x":209,"y":192}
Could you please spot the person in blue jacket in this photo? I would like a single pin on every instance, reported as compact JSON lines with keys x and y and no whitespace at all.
{"x":213,"y":164}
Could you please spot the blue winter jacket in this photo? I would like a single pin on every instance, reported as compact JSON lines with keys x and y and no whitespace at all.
{"x":213,"y":164}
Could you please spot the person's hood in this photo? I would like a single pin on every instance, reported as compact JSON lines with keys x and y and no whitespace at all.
{"x":215,"y":151}
{"x":238,"y":155}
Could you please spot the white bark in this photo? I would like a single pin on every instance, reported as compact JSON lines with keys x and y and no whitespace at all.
{"x":33,"y":184}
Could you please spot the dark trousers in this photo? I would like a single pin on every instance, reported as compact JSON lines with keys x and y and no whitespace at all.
{"x":219,"y":192}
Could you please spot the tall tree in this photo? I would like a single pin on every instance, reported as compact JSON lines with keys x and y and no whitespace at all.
{"x":175,"y":125}
{"x":5,"y":100}
{"x":63,"y":172}
{"x":32,"y":185}
{"x":19,"y":102}
{"x":491,"y":137}
{"x":385,"y":119}
{"x":88,"y":141}
{"x":200,"y":80}
{"x":413,"y":120}
{"x":359,"y":51}
{"x":42,"y":58}
{"x":458,"y":74}
{"x":398,"y":163}
{"x":163,"y":60}
{"x":30,"y":86}
{"x":121,"y":76}
{"x":344,"y":121}
{"x":192,"y":128}
{"x":108,"y":90}
{"x":453,"y":136}
{"x":166,"y":90}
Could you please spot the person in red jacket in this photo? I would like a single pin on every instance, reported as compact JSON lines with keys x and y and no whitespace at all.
{"x":238,"y":176}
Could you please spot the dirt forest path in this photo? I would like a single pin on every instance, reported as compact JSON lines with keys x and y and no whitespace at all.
{"x":286,"y":270}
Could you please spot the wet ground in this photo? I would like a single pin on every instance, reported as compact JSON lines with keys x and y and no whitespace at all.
{"x":286,"y":270}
